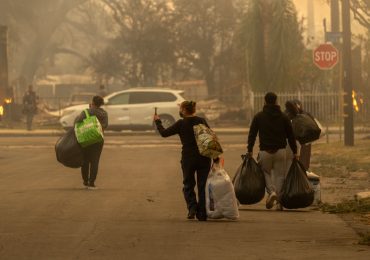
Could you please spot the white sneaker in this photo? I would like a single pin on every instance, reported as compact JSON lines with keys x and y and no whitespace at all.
{"x":279,"y":207}
{"x":271,"y":200}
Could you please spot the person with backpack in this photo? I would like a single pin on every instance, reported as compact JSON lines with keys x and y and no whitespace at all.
{"x":292,"y":109}
{"x":191,"y":161}
{"x":274,"y":129}
{"x":91,"y":153}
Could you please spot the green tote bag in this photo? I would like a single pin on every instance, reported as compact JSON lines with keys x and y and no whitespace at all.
{"x":89,"y":131}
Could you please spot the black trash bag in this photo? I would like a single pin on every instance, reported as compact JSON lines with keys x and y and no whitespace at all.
{"x":68,"y":150}
{"x":305,"y":128}
{"x":249,"y":182}
{"x":297,"y":191}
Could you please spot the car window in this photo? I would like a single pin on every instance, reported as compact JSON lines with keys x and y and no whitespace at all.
{"x":151,"y":97}
{"x":120,"y":99}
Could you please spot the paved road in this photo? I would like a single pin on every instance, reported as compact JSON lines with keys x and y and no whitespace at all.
{"x":139,"y":212}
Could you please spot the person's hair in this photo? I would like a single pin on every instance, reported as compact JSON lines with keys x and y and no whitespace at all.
{"x":298,"y":104}
{"x":98,"y":101}
{"x":270,"y":98}
{"x":189,"y":106}
{"x":291,"y":108}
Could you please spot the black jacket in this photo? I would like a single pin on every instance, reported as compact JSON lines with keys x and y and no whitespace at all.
{"x":184,"y":128}
{"x":100,"y":113}
{"x":273,"y":128}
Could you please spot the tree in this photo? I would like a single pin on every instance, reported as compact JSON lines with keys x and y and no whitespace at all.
{"x":142,"y":47}
{"x":33,"y":24}
{"x":204,"y":37}
{"x":274,"y":43}
{"x":361,"y":10}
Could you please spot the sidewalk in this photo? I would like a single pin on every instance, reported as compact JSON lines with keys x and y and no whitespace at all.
{"x":7,"y":132}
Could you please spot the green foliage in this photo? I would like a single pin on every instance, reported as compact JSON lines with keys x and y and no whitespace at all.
{"x":347,"y":206}
{"x":143,"y":46}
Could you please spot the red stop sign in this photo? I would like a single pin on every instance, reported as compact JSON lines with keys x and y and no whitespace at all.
{"x":326,"y":56}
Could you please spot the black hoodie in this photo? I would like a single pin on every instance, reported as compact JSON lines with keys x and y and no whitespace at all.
{"x":273,"y":128}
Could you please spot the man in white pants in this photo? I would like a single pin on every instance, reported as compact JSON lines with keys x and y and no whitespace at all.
{"x":273,"y":128}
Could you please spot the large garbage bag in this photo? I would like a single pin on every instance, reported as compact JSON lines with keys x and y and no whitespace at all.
{"x":68,"y":150}
{"x":297,"y":191}
{"x":207,"y":141}
{"x":220,"y":196}
{"x":249,"y":182}
{"x":305,"y":128}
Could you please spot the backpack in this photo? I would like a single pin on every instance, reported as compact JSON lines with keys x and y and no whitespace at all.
{"x":89,"y":131}
{"x":305,"y":129}
{"x":207,"y":141}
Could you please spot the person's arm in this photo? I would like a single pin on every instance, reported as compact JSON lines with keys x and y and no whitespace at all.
{"x":104,"y":120}
{"x":105,"y":124}
{"x":205,"y":123}
{"x":81,"y":117}
{"x":166,"y":132}
{"x":291,"y":138}
{"x":253,"y":131}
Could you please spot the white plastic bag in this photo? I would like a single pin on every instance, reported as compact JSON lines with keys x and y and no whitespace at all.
{"x":221,"y":201}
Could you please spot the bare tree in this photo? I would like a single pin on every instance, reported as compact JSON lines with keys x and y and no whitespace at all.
{"x":361,"y":10}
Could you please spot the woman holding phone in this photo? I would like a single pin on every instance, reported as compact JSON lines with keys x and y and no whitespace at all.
{"x":191,"y":161}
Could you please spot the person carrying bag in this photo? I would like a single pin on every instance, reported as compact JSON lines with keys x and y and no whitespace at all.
{"x":89,"y":128}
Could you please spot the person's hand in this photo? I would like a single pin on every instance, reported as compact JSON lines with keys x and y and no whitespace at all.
{"x":296,"y":157}
{"x":156,"y":117}
{"x":249,"y":154}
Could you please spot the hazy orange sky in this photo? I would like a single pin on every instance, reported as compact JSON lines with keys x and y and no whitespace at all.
{"x":321,"y":11}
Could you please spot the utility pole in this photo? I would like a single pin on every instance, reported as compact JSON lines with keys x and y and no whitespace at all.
{"x":3,"y":63}
{"x":347,"y":74}
{"x":334,"y":15}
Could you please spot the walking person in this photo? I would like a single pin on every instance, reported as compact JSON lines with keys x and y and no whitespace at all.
{"x":29,"y":106}
{"x":191,"y":161}
{"x":91,"y":153}
{"x":274,"y":129}
{"x":292,"y":109}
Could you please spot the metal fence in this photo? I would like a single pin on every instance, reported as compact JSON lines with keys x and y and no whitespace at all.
{"x":326,"y":106}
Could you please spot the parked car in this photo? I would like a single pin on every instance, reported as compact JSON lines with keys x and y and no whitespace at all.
{"x":133,"y":108}
{"x":80,"y":98}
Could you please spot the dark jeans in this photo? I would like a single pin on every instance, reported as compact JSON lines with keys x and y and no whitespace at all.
{"x":90,"y":165}
{"x":29,"y":118}
{"x":201,"y":166}
{"x":305,"y":155}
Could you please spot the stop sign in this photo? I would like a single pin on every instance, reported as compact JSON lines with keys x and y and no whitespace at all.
{"x":326,"y":56}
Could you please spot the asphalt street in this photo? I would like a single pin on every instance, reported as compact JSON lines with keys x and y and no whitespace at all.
{"x":138,"y":211}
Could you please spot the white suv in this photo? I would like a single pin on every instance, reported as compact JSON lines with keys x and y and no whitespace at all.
{"x":133,"y":108}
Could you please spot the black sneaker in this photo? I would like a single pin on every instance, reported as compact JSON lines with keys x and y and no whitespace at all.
{"x":202,"y":217}
{"x":192,"y":213}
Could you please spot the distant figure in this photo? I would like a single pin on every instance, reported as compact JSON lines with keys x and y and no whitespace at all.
{"x":29,"y":106}
{"x":102,"y":91}
{"x":274,"y":129}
